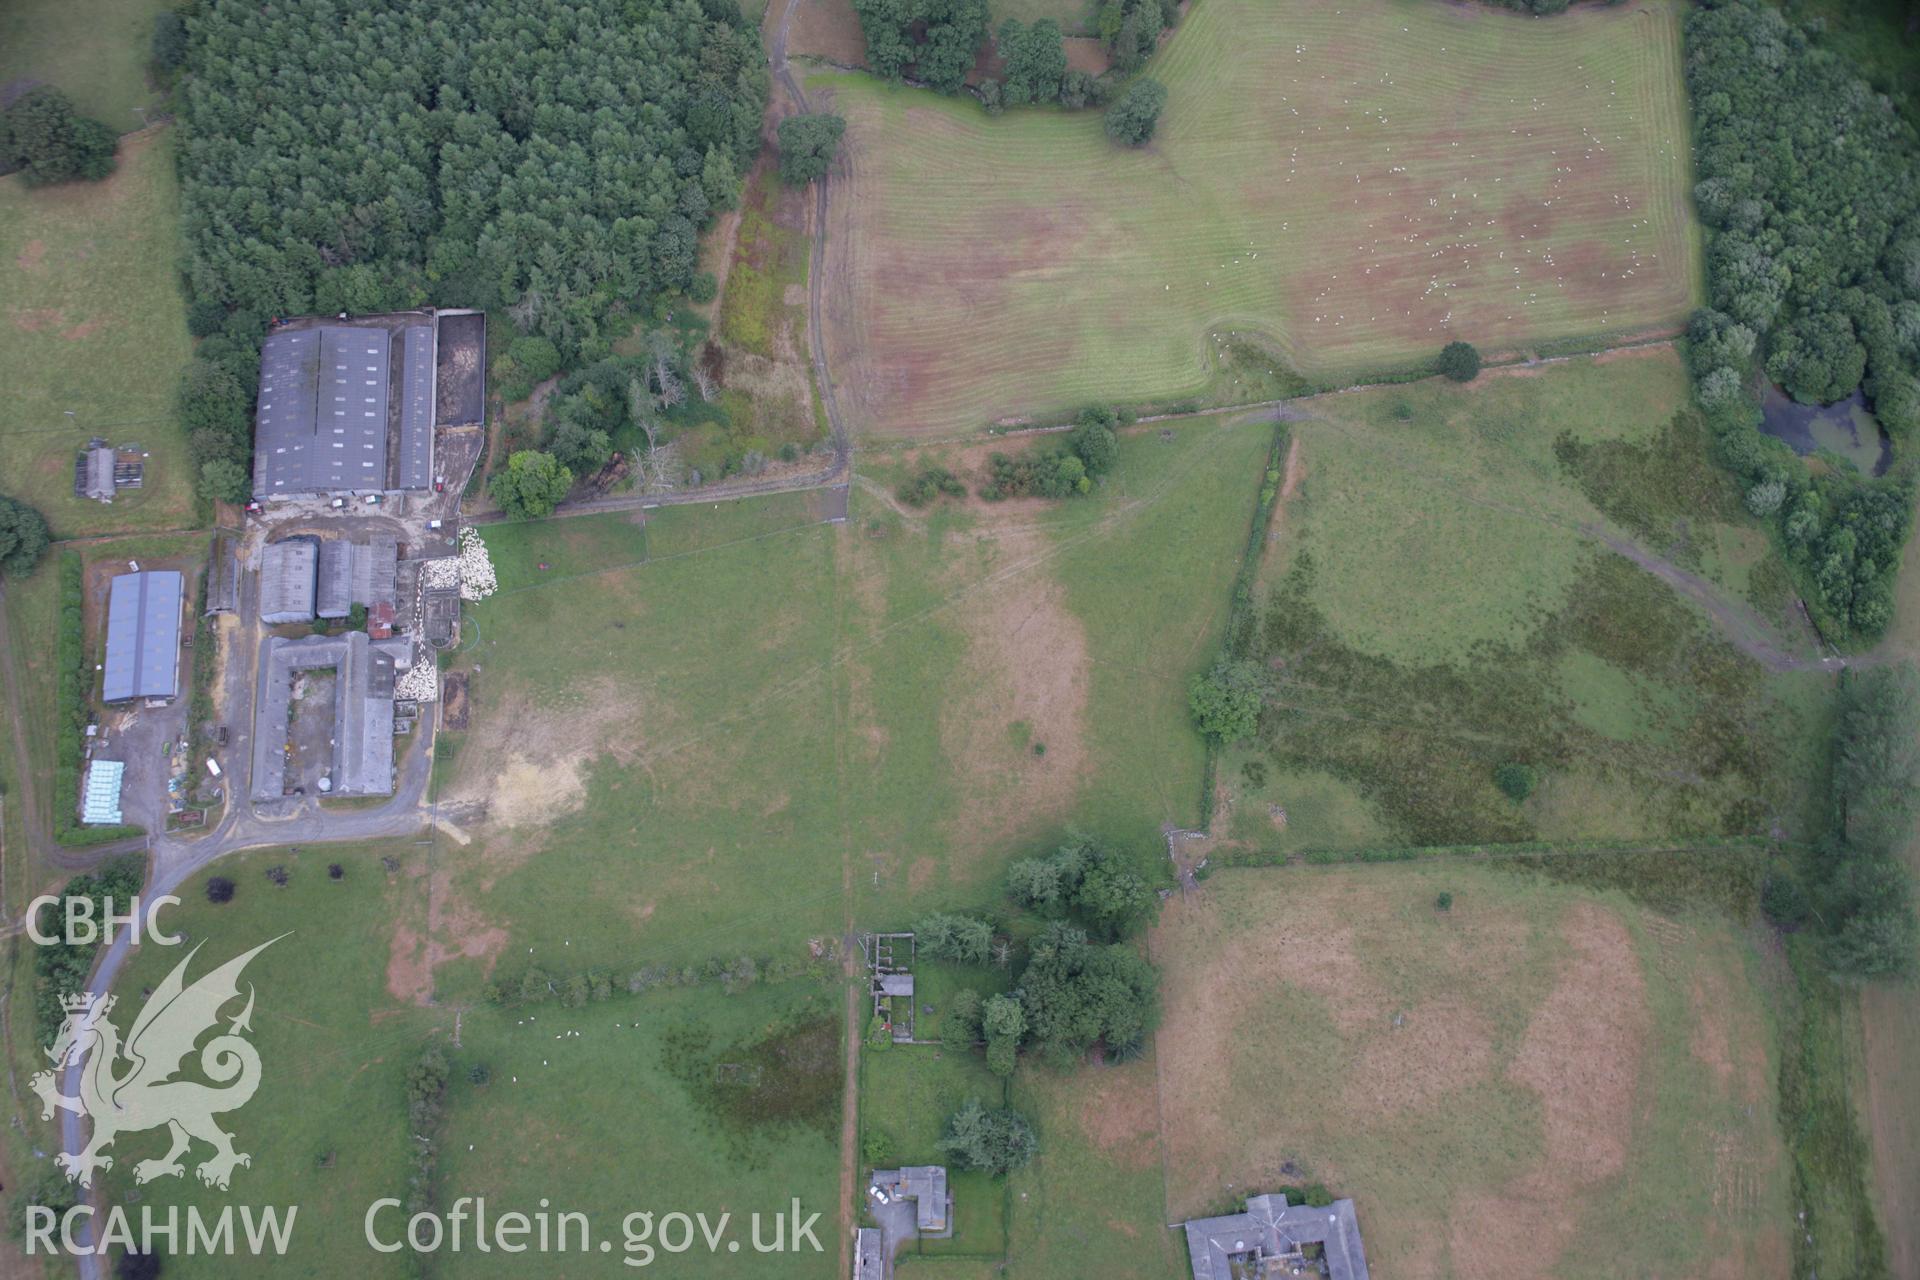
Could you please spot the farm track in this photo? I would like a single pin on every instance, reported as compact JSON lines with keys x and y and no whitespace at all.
{"x":1746,"y":630}
{"x":842,"y":471}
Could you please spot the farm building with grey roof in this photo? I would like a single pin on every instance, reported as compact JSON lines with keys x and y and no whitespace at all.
{"x":349,"y":406}
{"x":1272,"y":1238}
{"x":288,"y":572}
{"x":363,"y":711}
{"x":143,"y":636}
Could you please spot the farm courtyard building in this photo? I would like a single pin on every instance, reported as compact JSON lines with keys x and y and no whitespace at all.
{"x":349,"y":406}
{"x":1271,"y":1237}
{"x":143,"y":636}
{"x":363,"y":720}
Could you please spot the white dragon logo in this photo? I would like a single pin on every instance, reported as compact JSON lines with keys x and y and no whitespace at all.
{"x":145,"y":1095}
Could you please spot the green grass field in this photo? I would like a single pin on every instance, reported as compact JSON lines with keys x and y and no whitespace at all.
{"x":1498,"y":1086}
{"x":624,"y":1105}
{"x":327,"y":1130}
{"x":94,"y":51}
{"x":1093,"y":1202}
{"x":95,"y":339}
{"x":1076,"y":17}
{"x":1302,"y":193}
{"x":746,"y":697}
{"x":652,"y":1104}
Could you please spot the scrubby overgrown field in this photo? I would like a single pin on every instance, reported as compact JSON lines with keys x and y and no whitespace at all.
{"x":1438,"y":597}
{"x":1346,"y":189}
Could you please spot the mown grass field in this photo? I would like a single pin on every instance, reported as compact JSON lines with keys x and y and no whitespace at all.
{"x":1435,"y":602}
{"x":96,"y":329}
{"x":1305,"y":192}
{"x":1093,"y":1202}
{"x":94,"y":51}
{"x":1498,"y":1086}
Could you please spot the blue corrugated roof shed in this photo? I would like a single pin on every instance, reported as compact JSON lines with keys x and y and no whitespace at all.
{"x":143,"y":636}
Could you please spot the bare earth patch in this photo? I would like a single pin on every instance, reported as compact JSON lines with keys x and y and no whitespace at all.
{"x":455,"y":928}
{"x":526,"y":765}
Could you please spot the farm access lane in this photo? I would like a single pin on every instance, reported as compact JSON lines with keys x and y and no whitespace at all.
{"x":174,"y":861}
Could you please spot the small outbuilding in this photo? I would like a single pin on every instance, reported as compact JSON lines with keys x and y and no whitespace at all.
{"x":223,"y":573}
{"x":869,"y":1263}
{"x":98,"y":466}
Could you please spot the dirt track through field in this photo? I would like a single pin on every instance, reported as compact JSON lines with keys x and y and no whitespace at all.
{"x":1742,"y":627}
{"x":1738,"y":622}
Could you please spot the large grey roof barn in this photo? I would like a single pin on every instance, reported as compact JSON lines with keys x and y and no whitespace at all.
{"x":351,"y":405}
{"x":143,"y":636}
{"x":322,"y":419}
{"x":353,"y":573}
{"x":1271,"y":1235}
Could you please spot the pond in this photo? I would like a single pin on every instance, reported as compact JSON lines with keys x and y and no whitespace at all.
{"x":1844,"y":427}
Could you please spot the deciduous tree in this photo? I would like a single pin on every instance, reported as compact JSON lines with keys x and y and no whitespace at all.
{"x":1132,"y":120}
{"x":531,"y":485}
{"x":43,"y":138}
{"x":996,"y":1142}
{"x":808,"y":144}
{"x":23,"y":537}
